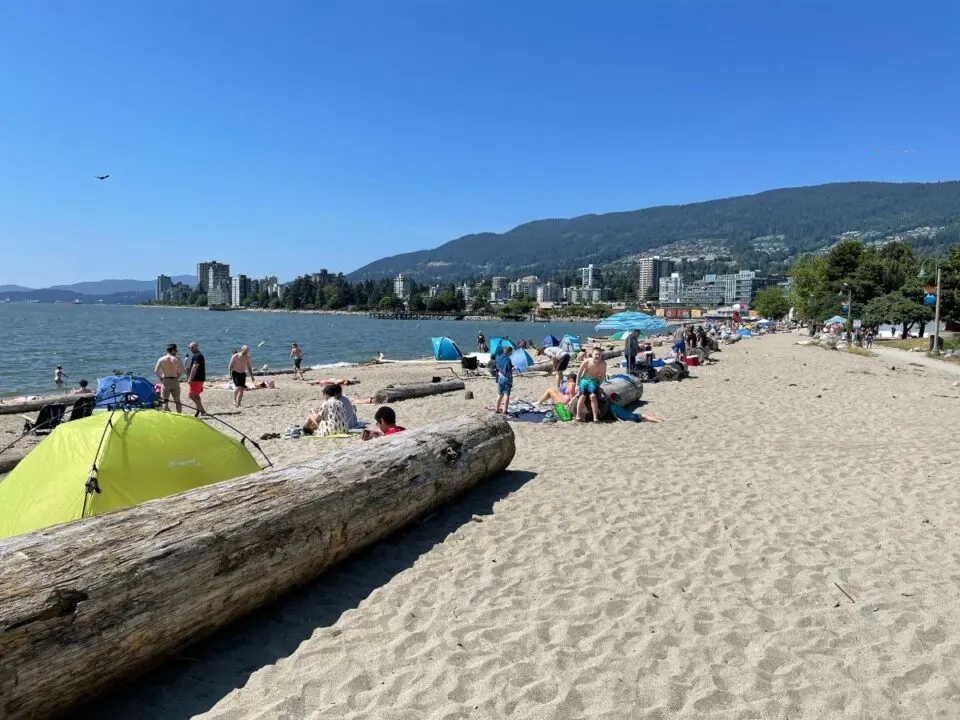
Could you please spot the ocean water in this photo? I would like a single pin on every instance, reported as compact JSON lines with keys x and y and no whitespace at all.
{"x":90,"y":341}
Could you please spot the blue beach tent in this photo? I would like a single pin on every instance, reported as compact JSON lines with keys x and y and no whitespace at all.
{"x":498,"y":344}
{"x":521,"y":360}
{"x":571,"y":344}
{"x":550,"y":341}
{"x":446,"y":349}
{"x":115,"y":391}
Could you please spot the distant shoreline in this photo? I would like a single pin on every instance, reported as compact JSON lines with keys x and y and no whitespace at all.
{"x":355,"y":313}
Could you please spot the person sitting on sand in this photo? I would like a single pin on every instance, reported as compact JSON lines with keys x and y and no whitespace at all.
{"x":386,"y":420}
{"x":592,"y":373}
{"x":564,"y":396}
{"x":83,"y":389}
{"x":349,"y":409}
{"x":331,"y":419}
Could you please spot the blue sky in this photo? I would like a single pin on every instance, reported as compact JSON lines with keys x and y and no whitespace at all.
{"x":285,"y":137}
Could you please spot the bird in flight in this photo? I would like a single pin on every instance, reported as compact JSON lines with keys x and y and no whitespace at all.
{"x":102,"y":177}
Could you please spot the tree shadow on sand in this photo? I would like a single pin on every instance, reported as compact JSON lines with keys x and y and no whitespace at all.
{"x":204,"y":673}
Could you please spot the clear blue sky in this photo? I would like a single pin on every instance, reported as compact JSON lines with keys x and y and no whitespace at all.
{"x":283,"y":137}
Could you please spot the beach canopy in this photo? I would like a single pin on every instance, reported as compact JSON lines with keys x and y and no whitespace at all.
{"x":446,"y":349}
{"x":498,"y":344}
{"x":521,"y":360}
{"x":550,"y":341}
{"x":124,"y":458}
{"x":115,"y":391}
{"x":836,"y":320}
{"x":631,"y":320}
{"x":743,"y":332}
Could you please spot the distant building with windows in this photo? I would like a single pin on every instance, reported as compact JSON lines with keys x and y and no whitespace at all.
{"x":712,"y":290}
{"x":240,"y":290}
{"x":402,"y":287}
{"x":219,"y":292}
{"x":322,"y":278}
{"x":217,"y":275}
{"x":651,"y":270}
{"x":549,"y":292}
{"x":590,"y":276}
{"x":498,"y":283}
{"x":203,"y":276}
{"x":164,"y":283}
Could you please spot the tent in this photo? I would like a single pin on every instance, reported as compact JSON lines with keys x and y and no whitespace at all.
{"x":114,"y":460}
{"x":521,"y":360}
{"x":571,"y":344}
{"x":445,"y":349}
{"x":836,"y":320}
{"x":550,"y":341}
{"x":743,"y":332}
{"x":631,"y":321}
{"x":115,"y":391}
{"x":497,"y":345}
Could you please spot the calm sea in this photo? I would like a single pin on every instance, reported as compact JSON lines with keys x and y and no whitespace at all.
{"x":92,"y":340}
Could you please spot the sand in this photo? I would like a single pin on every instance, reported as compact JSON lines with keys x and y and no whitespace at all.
{"x":785,"y":545}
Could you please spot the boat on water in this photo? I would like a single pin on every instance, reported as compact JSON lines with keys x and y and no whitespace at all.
{"x":77,"y":301}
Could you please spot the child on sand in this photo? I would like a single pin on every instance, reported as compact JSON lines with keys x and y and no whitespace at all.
{"x":297,"y":354}
{"x":504,"y":379}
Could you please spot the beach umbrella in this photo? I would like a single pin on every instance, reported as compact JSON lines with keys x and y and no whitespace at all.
{"x":620,"y":335}
{"x":836,"y":320}
{"x":521,"y":359}
{"x":743,"y":332}
{"x":631,"y":320}
{"x":550,"y":341}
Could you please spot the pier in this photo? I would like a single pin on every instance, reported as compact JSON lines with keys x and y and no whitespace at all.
{"x":403,"y":315}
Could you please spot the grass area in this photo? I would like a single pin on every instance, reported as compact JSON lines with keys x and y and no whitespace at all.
{"x":860,"y":351}
{"x":908,"y":344}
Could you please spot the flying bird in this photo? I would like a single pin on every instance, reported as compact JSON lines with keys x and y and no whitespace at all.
{"x":102,"y":177}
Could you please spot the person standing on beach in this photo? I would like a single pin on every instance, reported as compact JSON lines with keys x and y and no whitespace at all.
{"x":481,"y":342}
{"x":168,"y":370}
{"x":196,"y":376}
{"x":297,"y":354}
{"x":238,"y":368}
{"x":504,"y":378}
{"x":58,"y":377}
{"x":559,"y":359}
{"x":631,"y":346}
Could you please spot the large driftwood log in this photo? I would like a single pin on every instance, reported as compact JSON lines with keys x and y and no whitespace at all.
{"x":408,"y":392}
{"x":622,"y":390}
{"x":89,"y":603}
{"x":26,"y":406}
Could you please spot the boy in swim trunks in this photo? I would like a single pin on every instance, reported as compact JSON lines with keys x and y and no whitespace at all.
{"x":504,"y":379}
{"x":238,"y":368}
{"x":592,"y":372}
{"x":297,"y":354}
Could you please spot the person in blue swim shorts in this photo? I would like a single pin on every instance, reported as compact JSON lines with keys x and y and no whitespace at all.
{"x":592,"y":372}
{"x":504,"y":379}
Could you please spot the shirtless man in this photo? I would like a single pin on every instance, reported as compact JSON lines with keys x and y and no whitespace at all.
{"x":238,"y":368}
{"x":297,"y":354}
{"x":592,"y":372}
{"x":168,"y":370}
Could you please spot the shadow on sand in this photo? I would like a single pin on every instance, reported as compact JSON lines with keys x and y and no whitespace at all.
{"x":194,"y":682}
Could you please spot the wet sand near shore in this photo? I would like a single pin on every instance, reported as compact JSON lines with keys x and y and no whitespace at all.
{"x":784,"y":545}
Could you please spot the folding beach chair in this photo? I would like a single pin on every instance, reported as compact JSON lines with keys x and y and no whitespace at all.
{"x":82,"y":408}
{"x":47,"y":419}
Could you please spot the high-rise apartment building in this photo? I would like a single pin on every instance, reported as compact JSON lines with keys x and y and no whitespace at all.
{"x":651,"y":270}
{"x":218,"y":274}
{"x":203,"y":275}
{"x":498,"y":283}
{"x":590,"y":277}
{"x":402,"y":287}
{"x":239,"y":290}
{"x":162,"y":288}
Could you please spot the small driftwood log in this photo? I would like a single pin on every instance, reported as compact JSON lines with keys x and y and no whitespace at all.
{"x":408,"y":392}
{"x":672,"y":371}
{"x":25,"y":406}
{"x":90,"y":603}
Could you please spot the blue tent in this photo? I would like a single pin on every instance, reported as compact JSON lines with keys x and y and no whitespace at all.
{"x":498,"y":344}
{"x":836,"y":320}
{"x":115,"y":391}
{"x":521,"y":360}
{"x":743,"y":332}
{"x":632,"y":321}
{"x":446,"y":349}
{"x":550,"y":341}
{"x":571,"y":344}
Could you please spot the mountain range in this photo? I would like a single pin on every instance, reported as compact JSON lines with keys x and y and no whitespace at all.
{"x":772,"y":225}
{"x":109,"y":291}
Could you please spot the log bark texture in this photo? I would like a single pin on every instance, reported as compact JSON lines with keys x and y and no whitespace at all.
{"x":87,"y":604}
{"x":26,"y":406}
{"x":408,"y":392}
{"x":11,"y":458}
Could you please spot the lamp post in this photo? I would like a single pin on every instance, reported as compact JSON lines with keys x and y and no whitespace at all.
{"x":849,"y":289}
{"x":936,"y":313}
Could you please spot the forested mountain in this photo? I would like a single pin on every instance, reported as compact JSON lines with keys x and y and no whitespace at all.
{"x":751,"y":229}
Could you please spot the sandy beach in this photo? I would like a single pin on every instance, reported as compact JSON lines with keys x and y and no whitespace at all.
{"x":785,"y":545}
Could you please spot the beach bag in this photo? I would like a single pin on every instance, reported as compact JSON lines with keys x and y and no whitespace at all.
{"x":562,"y":413}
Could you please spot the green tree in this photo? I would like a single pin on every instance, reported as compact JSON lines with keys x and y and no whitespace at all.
{"x":772,"y":302}
{"x":810,"y":289}
{"x":897,"y":309}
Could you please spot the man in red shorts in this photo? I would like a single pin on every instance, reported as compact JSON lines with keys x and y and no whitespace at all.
{"x":196,"y":378}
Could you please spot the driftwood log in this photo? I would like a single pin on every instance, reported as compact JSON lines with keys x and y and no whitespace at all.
{"x":25,"y":406}
{"x":672,"y":371}
{"x":622,"y":390}
{"x":547,"y":366}
{"x":87,"y":604}
{"x":408,"y":392}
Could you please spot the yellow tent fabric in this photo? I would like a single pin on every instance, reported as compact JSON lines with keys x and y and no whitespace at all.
{"x":145,"y":454}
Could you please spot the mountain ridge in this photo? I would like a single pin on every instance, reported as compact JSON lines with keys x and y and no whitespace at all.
{"x":782,"y":222}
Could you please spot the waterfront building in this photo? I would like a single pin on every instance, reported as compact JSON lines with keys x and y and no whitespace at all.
{"x":240,"y":290}
{"x":163,"y":286}
{"x":402,"y":287}
{"x":651,"y":270}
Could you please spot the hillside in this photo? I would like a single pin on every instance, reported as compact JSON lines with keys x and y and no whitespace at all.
{"x":118,"y":292}
{"x":770,"y":225}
